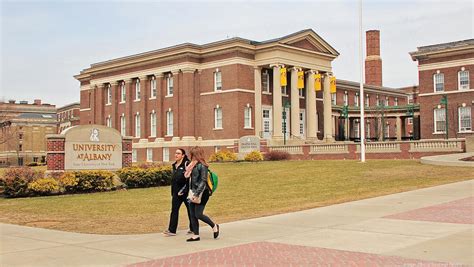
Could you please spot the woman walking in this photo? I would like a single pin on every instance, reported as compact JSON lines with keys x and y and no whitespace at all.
{"x":179,"y":192}
{"x":199,"y":193}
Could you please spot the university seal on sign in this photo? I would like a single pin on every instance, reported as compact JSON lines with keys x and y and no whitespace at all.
{"x":94,"y":135}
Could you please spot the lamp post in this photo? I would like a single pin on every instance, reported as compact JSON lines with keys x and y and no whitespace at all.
{"x":285,"y":106}
{"x":410,"y":112}
{"x":345,"y":114}
{"x":444,"y":101}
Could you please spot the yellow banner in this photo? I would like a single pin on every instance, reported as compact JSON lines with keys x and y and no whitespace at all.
{"x":317,"y":82}
{"x":332,"y":86}
{"x":300,"y":80}
{"x":283,"y":77}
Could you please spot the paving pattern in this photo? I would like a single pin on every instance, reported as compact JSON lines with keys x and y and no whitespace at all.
{"x":458,"y":211}
{"x":276,"y":254}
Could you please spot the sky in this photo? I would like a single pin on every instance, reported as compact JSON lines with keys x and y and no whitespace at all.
{"x":44,"y":44}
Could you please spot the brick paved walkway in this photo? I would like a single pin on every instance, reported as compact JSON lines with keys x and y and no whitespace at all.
{"x":276,"y":254}
{"x":458,"y":211}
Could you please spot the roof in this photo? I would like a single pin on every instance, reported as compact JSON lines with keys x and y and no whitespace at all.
{"x":441,"y":48}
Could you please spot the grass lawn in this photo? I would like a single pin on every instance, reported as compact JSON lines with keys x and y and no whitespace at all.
{"x":246,"y":190}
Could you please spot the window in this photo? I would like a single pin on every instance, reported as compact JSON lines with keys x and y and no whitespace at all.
{"x":149,"y":154}
{"x":356,"y":100}
{"x":367,"y":130}
{"x":438,"y":80}
{"x":153,"y":124}
{"x":387,"y":130}
{"x":356,"y":129}
{"x":346,"y":100}
{"x":218,"y":117}
{"x":367,"y":100}
{"x":35,"y":159}
{"x":333,"y":99}
{"x":465,"y":119}
{"x":169,"y":85}
{"x":386,"y":101}
{"x":265,"y":82}
{"x":410,"y":99}
{"x":108,"y":121}
{"x":377,"y":100}
{"x":248,"y":117}
{"x":153,"y":87}
{"x":20,"y":147}
{"x":439,"y":120}
{"x":283,"y":90}
{"x":109,"y":95}
{"x":137,"y":125}
{"x":169,"y":123}
{"x":396,"y":102}
{"x":134,"y":155}
{"x":137,"y":89}
{"x":20,"y":136}
{"x":463,"y":78}
{"x":301,"y":92}
{"x":123,"y":92}
{"x":410,"y":120}
{"x":122,"y":125}
{"x":166,"y":154}
{"x":217,"y":80}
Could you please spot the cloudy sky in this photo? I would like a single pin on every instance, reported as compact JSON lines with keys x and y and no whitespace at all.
{"x":44,"y":43}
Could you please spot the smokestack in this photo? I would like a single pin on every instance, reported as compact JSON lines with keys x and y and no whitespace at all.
{"x":373,"y":61}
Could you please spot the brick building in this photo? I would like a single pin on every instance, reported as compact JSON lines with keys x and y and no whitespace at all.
{"x":212,"y":94}
{"x":446,"y":95}
{"x":68,"y":116}
{"x":23,"y":132}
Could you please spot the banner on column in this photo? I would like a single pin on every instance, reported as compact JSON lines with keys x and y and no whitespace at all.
{"x":317,"y":82}
{"x":283,"y":76}
{"x":300,"y":80}
{"x":332,"y":86}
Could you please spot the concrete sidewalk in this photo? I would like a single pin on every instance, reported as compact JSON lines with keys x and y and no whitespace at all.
{"x":422,"y":226}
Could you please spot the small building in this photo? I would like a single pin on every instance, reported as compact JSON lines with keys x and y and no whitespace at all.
{"x":446,"y":93}
{"x":23,"y":129}
{"x":68,"y":116}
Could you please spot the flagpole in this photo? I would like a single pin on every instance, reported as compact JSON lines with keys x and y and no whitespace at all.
{"x":361,"y":102}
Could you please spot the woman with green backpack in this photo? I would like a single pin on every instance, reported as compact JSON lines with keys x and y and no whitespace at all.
{"x":199,"y":192}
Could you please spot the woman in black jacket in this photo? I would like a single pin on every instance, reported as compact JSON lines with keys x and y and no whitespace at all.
{"x":199,"y":193}
{"x":179,"y":192}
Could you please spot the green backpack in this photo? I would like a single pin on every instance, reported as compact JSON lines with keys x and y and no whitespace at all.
{"x":212,"y":180}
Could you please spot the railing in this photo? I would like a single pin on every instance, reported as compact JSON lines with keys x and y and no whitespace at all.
{"x":436,"y":145}
{"x":381,"y":147}
{"x":287,"y":148}
{"x":328,"y":149}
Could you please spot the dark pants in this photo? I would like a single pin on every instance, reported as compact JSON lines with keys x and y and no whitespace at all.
{"x":176,"y":202}
{"x":197,"y":213}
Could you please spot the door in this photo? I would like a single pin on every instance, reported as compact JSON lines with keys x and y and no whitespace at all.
{"x":267,"y":123}
{"x":285,"y":115}
{"x":302,"y":123}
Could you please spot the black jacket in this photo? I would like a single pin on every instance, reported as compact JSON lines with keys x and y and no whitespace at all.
{"x":199,"y":179}
{"x":178,"y":182}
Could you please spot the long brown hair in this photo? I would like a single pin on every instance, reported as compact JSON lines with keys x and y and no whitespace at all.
{"x":197,"y":153}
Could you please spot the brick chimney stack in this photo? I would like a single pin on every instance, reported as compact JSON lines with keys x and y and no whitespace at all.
{"x":373,"y":61}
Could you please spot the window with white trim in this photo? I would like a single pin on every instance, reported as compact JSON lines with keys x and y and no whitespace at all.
{"x":387,"y":130}
{"x":149,"y":154}
{"x":153,"y":124}
{"x":377,"y":100}
{"x":153,"y":87}
{"x":218,"y":117}
{"x":356,"y":99}
{"x":302,"y":92}
{"x":410,"y":99}
{"x":265,"y":82}
{"x":367,"y":100}
{"x":463,"y":79}
{"x":217,"y":80}
{"x":356,"y":129}
{"x":395,"y":103}
{"x":465,"y":120}
{"x":248,"y":117}
{"x":123,"y":92}
{"x":346,"y":99}
{"x":169,"y":123}
{"x":438,"y":80}
{"x":166,"y":154}
{"x":386,"y":101}
{"x":108,"y":121}
{"x":284,"y":91}
{"x":134,"y":155}
{"x":137,"y":89}
{"x":439,"y":120}
{"x":123,"y":125}
{"x":109,"y":94}
{"x":367,"y":130}
{"x":137,"y":125}
{"x":333,"y":99}
{"x":169,"y":85}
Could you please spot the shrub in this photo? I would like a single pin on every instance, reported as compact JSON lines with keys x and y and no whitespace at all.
{"x":44,"y":186}
{"x":135,"y":177}
{"x":277,"y":155}
{"x":67,"y":182}
{"x":254,"y":156}
{"x":15,"y":181}
{"x":91,"y":181}
{"x":223,"y":156}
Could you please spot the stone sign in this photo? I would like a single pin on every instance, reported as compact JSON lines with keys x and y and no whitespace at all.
{"x":92,"y":147}
{"x":248,"y":144}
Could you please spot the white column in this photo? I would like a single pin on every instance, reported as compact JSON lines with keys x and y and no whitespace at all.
{"x":399,"y":128}
{"x":295,"y":103}
{"x":327,"y":110}
{"x":277,"y":105}
{"x":258,"y":101}
{"x":311,"y":130}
